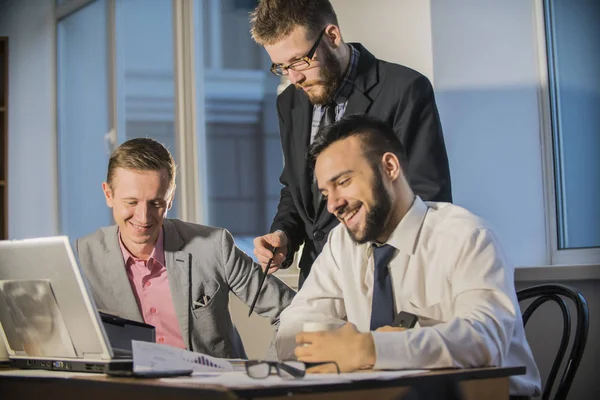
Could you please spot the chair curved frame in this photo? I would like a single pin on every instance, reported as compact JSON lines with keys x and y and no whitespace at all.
{"x":555,"y":293}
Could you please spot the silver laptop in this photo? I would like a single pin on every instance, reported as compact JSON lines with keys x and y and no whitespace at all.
{"x":3,"y":353}
{"x":48,"y":319}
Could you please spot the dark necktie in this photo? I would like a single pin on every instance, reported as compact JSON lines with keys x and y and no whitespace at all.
{"x":382,"y":309}
{"x":327,"y":118}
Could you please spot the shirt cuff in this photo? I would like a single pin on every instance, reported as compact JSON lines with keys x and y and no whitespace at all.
{"x":387,"y":350}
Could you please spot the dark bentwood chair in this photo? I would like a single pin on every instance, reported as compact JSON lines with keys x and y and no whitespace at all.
{"x":558,"y":294}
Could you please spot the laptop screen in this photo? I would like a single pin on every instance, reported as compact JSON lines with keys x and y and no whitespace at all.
{"x":45,"y":308}
{"x":3,"y":351}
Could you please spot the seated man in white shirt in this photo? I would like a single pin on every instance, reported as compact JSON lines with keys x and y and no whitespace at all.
{"x":445,"y":265}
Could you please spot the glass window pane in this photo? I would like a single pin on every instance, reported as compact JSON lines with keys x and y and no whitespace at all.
{"x":574,"y":55}
{"x":240,"y":129}
{"x":83,"y":119}
{"x":144,"y":73}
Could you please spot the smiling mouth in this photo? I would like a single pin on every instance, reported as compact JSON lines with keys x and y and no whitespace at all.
{"x":141,"y":228}
{"x":347,"y":217}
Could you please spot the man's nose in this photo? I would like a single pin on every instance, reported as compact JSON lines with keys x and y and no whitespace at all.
{"x":334,"y":202}
{"x":141,"y":212}
{"x":295,"y":76}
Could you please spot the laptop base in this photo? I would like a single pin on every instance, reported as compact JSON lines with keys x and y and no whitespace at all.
{"x":98,"y":367}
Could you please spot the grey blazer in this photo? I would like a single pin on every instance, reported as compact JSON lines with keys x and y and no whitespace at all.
{"x":200,"y":261}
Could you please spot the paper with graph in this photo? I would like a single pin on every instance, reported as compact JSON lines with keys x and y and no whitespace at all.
{"x":160,"y":357}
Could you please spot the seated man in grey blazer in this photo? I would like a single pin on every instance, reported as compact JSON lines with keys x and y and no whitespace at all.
{"x":168,"y":273}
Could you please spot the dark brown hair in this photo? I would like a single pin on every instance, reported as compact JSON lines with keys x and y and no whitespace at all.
{"x":377,"y":138}
{"x":143,"y":154}
{"x":273,"y":20}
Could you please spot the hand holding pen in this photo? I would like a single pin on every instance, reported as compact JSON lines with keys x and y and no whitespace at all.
{"x":265,"y":272}
{"x":271,"y":248}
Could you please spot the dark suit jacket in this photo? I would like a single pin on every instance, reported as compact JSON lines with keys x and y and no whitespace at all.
{"x":200,"y":260}
{"x":391,"y":92}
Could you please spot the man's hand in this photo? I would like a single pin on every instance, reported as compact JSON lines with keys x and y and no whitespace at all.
{"x":349,"y":348}
{"x":263,"y":250}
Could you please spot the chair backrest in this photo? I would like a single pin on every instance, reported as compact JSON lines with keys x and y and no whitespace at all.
{"x":557,"y":293}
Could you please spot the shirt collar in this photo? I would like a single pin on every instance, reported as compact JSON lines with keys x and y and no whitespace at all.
{"x":158,"y":254}
{"x":404,"y":237}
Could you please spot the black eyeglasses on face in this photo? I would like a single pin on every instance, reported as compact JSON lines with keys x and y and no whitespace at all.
{"x":291,"y":369}
{"x":299,"y":64}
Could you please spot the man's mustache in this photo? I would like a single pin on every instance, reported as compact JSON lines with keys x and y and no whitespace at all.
{"x":307,"y":84}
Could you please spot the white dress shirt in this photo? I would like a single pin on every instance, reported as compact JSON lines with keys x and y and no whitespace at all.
{"x":449,"y":270}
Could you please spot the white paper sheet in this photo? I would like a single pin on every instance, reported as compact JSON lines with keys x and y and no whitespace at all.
{"x":238,"y":364}
{"x":382,"y":375}
{"x":242,"y":380}
{"x":159,"y":357}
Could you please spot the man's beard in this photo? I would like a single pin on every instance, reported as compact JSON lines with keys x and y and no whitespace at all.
{"x":376,"y":219}
{"x":329,"y":79}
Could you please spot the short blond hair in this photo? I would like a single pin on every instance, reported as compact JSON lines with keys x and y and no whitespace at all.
{"x":273,"y":20}
{"x":143,"y":154}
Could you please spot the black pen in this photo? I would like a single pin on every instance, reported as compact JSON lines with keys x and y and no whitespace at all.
{"x":262,"y":281}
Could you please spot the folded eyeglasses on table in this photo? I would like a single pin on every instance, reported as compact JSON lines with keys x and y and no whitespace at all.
{"x":288,"y":369}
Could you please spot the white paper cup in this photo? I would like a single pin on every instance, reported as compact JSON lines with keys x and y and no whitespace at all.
{"x":320,"y":326}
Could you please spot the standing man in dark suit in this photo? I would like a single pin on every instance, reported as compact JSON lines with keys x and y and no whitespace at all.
{"x":331,"y":79}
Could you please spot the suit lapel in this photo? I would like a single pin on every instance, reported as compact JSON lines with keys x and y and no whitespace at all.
{"x":301,"y":120}
{"x":116,"y":274}
{"x":367,"y":76}
{"x":178,"y":264}
{"x":358,"y":103}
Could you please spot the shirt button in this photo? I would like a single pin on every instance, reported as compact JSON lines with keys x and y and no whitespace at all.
{"x":319,"y":235}
{"x":161,"y":340}
{"x":147,"y":284}
{"x":153,"y":310}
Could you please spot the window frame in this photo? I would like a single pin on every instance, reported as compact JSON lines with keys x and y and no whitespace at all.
{"x":191,"y":202}
{"x":555,"y":255}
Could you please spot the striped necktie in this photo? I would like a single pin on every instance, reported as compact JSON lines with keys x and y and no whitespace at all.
{"x":327,"y":118}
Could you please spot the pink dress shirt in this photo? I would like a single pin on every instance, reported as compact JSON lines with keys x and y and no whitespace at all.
{"x":150,"y":286}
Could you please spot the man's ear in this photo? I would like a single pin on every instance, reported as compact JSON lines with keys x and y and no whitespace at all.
{"x":391,"y":166}
{"x":172,"y":195}
{"x":333,"y":36}
{"x":108,"y":194}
